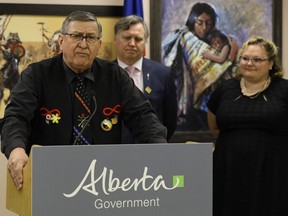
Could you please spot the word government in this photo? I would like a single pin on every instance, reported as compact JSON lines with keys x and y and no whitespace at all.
{"x":101,"y":204}
{"x":115,"y":184}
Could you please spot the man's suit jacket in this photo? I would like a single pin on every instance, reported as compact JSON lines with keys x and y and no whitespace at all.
{"x":160,"y":90}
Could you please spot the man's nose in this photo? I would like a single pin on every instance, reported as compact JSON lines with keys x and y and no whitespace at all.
{"x":132,"y":42}
{"x":83,"y":42}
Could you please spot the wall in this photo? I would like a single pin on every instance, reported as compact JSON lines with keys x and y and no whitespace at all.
{"x":3,"y":161}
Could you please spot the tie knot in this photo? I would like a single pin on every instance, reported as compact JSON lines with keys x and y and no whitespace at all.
{"x":131,"y":69}
{"x":79,"y":78}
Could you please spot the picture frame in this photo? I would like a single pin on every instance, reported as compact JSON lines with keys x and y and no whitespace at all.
{"x":53,"y":11}
{"x":156,"y":16}
{"x":60,"y":9}
{"x":156,"y":19}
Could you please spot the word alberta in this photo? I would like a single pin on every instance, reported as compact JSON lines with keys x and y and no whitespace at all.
{"x":107,"y":184}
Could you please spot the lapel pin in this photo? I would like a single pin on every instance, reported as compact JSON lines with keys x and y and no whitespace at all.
{"x":148,"y":89}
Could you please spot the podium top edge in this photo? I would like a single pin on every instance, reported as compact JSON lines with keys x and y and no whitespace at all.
{"x":124,"y":145}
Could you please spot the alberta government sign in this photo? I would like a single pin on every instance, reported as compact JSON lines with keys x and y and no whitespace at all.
{"x":122,"y":180}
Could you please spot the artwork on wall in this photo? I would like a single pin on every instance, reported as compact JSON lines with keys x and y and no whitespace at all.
{"x":189,"y":50}
{"x":27,"y":36}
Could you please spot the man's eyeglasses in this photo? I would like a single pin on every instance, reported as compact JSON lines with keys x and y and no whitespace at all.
{"x":256,"y":60}
{"x":90,"y":39}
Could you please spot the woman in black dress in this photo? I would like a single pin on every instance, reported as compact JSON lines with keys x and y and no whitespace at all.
{"x":248,"y":116}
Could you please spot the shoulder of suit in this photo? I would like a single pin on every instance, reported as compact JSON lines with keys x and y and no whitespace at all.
{"x":46,"y":64}
{"x":155,"y":63}
{"x":102,"y":62}
{"x":107,"y":66}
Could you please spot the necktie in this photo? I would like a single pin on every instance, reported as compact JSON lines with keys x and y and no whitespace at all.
{"x":133,"y":74}
{"x":81,"y":111}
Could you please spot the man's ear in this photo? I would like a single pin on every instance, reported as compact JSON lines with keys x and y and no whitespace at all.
{"x":60,"y":41}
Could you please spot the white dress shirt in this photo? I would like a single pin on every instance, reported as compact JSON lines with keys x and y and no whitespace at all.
{"x":138,"y":78}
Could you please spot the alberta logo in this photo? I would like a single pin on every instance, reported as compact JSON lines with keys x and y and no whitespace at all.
{"x":109,"y":184}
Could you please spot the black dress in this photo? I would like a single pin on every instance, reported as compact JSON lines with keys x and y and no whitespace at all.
{"x":250,"y":161}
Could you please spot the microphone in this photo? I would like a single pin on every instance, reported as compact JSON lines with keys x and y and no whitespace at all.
{"x":93,"y":95}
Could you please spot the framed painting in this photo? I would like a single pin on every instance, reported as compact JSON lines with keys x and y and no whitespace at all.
{"x":29,"y":33}
{"x":196,"y":74}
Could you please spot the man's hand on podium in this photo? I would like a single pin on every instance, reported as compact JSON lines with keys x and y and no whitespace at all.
{"x":17,"y":160}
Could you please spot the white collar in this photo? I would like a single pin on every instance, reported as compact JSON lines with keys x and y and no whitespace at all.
{"x":137,"y":64}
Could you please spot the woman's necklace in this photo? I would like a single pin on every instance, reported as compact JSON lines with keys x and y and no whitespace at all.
{"x":254,"y":94}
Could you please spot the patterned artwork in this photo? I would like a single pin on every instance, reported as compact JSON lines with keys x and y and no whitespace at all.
{"x":201,"y":62}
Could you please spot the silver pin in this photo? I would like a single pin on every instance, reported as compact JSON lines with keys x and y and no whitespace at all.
{"x":237,"y":97}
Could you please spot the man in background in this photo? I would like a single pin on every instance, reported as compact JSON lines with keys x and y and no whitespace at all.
{"x":152,"y":78}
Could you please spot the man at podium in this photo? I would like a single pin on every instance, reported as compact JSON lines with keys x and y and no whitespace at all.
{"x":74,"y":99}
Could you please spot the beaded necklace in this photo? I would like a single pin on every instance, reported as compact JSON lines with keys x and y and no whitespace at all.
{"x":255,"y":94}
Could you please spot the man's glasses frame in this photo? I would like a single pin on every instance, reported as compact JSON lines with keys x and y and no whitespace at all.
{"x":76,"y":37}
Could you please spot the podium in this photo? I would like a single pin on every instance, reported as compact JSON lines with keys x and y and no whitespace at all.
{"x":109,"y":180}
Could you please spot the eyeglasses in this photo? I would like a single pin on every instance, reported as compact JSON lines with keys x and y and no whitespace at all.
{"x":90,"y":39}
{"x":255,"y":60}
